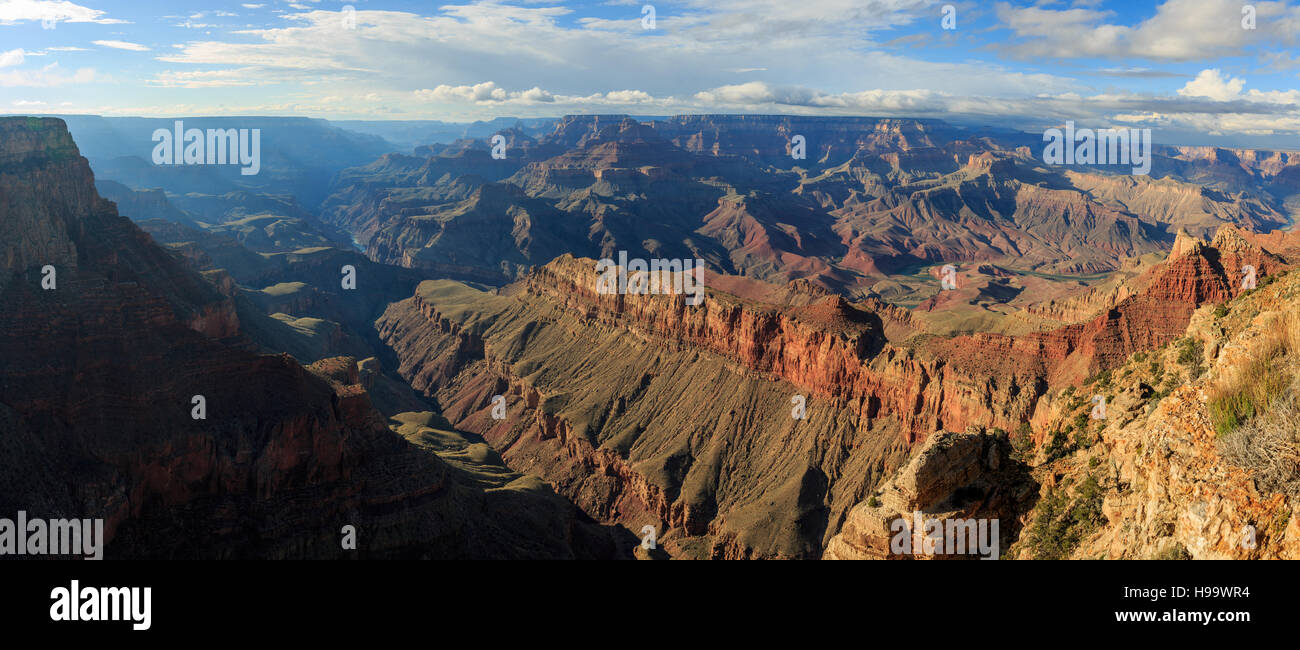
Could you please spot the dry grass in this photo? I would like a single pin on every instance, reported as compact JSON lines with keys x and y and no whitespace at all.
{"x":1248,"y":390}
{"x":1255,"y":408}
{"x":1269,"y":446}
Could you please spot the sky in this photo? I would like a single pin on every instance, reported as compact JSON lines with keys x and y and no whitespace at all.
{"x":1177,"y":66}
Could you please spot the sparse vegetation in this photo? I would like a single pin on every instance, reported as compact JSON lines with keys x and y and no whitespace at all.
{"x":1255,"y":409}
{"x":1191,"y":354}
{"x":1100,"y":380}
{"x":1268,"y":446}
{"x":1062,"y":523}
{"x":1175,"y":551}
{"x":1081,"y":438}
{"x":1280,"y":521}
{"x":1058,"y":445}
{"x":1022,"y":445}
{"x":1081,"y":421}
{"x":1249,"y":389}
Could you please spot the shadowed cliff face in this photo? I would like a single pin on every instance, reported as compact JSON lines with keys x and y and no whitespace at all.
{"x":43,"y":190}
{"x":96,"y":389}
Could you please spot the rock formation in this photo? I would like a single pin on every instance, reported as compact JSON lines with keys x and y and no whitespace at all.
{"x":100,"y":415}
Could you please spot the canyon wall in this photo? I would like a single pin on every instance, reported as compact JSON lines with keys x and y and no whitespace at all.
{"x":97,"y":396}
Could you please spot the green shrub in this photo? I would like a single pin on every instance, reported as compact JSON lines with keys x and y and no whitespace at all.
{"x":1190,"y":353}
{"x":1022,"y":445}
{"x":1061,"y":524}
{"x":1081,"y":421}
{"x":1280,"y":521}
{"x":1174,"y":551}
{"x":1101,"y":379}
{"x":1060,"y":444}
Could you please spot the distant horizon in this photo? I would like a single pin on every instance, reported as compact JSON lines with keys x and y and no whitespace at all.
{"x":956,"y":122}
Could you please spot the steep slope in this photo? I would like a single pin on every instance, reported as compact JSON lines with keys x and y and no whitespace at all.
{"x":646,"y":411}
{"x":1164,"y":475}
{"x":640,"y":428}
{"x":1154,"y":458}
{"x":97,"y":409}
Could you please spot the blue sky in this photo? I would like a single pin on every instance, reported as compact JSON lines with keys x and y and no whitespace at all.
{"x":1183,"y":66}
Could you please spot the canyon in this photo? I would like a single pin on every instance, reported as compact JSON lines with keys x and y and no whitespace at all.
{"x":96,"y":392}
{"x":642,"y":440}
{"x":825,"y":385}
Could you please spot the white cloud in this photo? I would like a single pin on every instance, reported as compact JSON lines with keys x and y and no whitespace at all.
{"x":1212,"y":84}
{"x":122,"y":45}
{"x":50,"y":75}
{"x":756,"y":94}
{"x":490,"y":93}
{"x":524,"y":46}
{"x":628,"y":96}
{"x":1180,"y":30}
{"x":11,"y":58}
{"x":483,"y":92}
{"x":209,"y":78}
{"x":17,"y":11}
